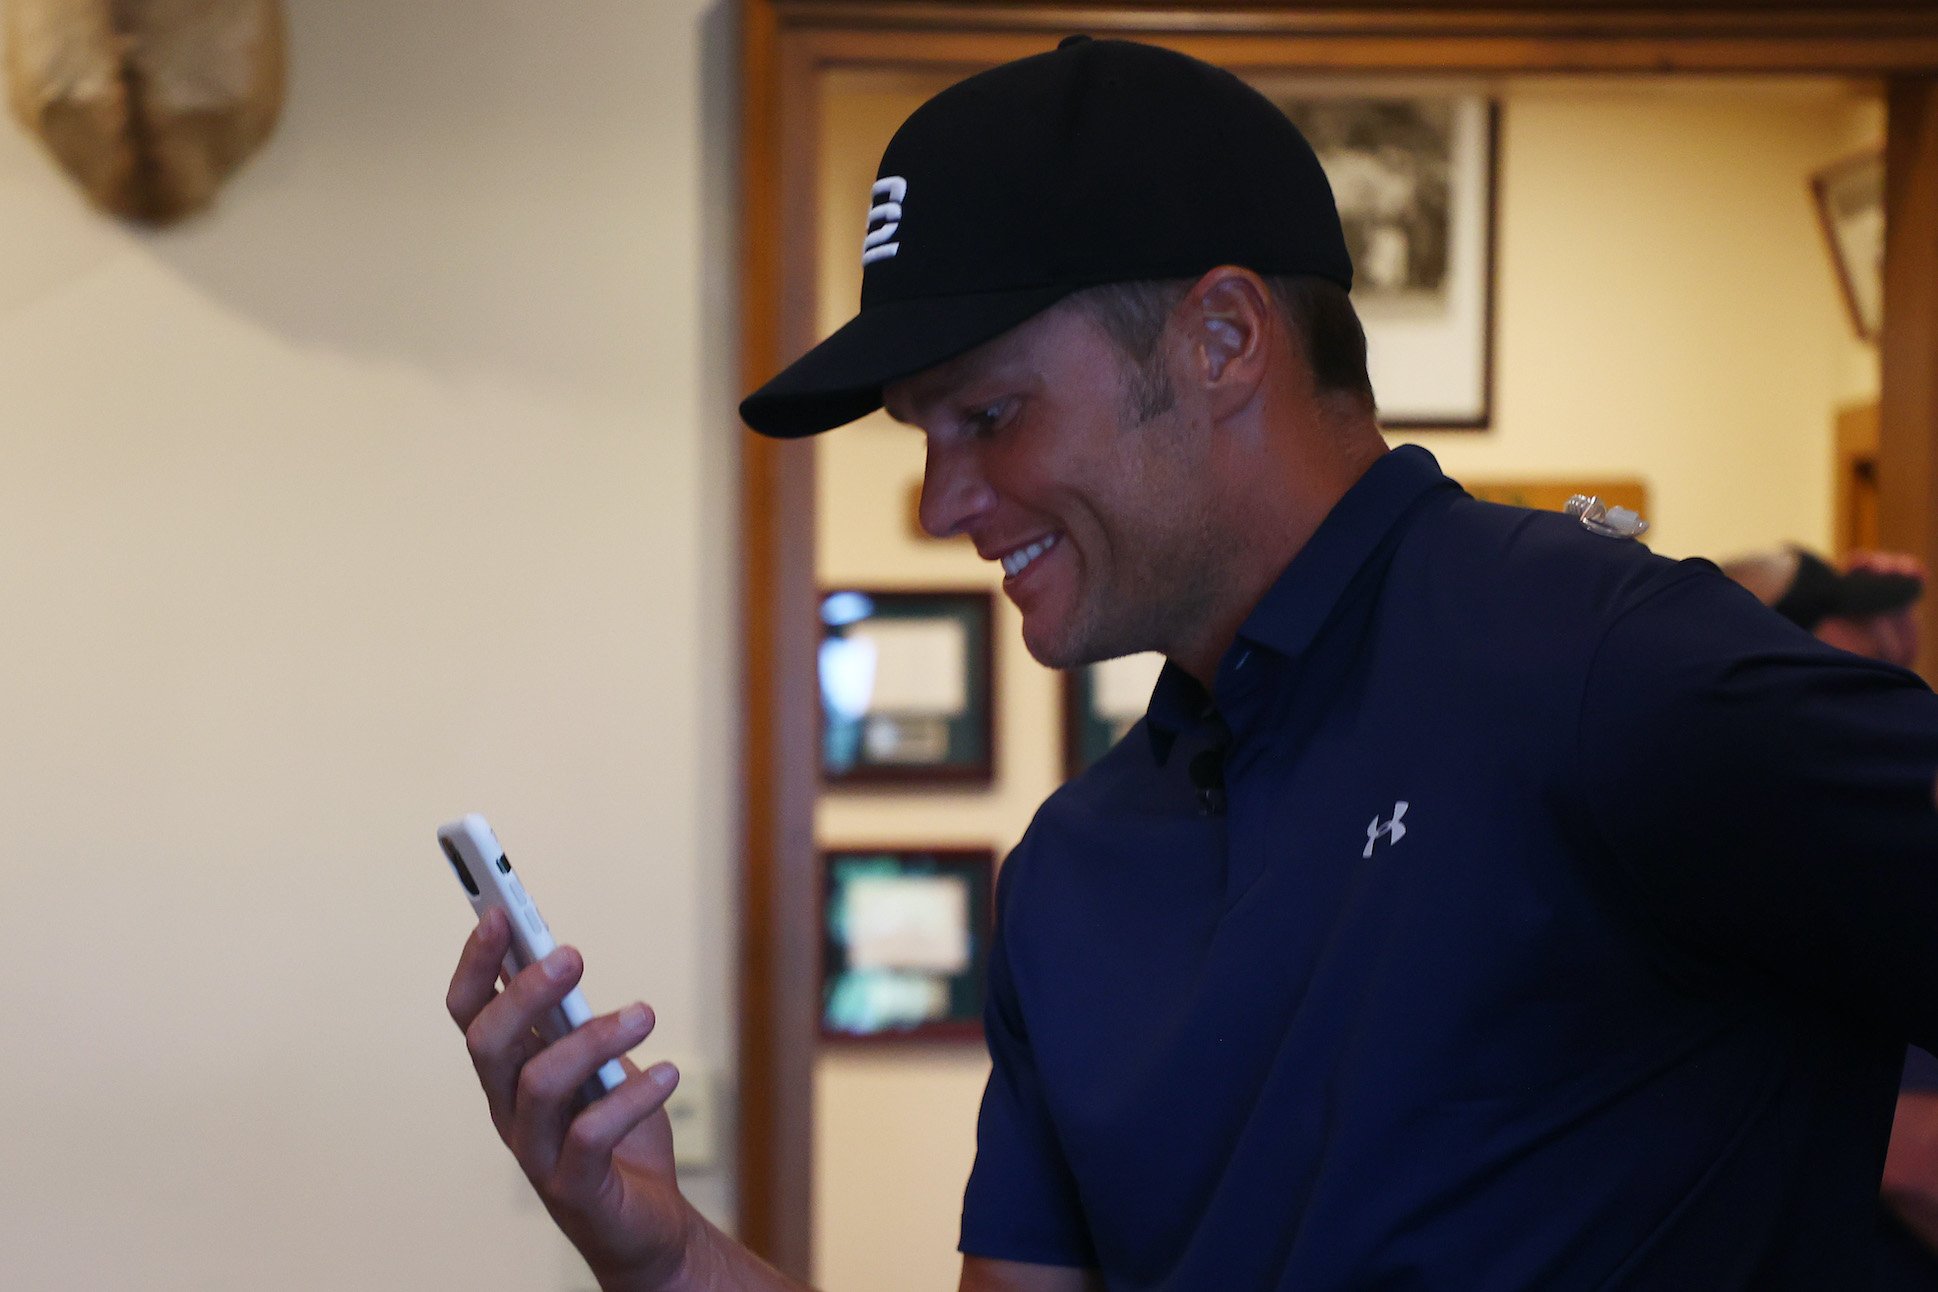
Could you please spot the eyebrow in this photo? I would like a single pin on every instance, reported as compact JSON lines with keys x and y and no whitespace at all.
{"x":946,"y":386}
{"x":1001,"y":368}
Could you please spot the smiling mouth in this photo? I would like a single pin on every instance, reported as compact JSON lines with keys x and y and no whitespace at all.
{"x":1019,"y":560}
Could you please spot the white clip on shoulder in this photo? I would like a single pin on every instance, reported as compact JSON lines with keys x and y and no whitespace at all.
{"x":1609,"y":522}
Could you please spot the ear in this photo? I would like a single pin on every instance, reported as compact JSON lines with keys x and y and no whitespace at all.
{"x":1228,"y":316}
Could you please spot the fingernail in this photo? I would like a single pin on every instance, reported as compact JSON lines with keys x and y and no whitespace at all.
{"x":663,"y":1074}
{"x":558,"y":965}
{"x":633,"y":1017}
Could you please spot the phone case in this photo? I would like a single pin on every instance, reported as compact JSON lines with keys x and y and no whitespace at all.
{"x":481,"y":866}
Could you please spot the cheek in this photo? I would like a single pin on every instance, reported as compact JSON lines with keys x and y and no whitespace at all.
{"x":1028,"y":477}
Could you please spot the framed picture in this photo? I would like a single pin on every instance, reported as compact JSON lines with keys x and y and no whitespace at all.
{"x":1850,"y":207}
{"x":905,"y":942}
{"x":907,"y":687}
{"x":1103,"y":701}
{"x":1413,"y":170}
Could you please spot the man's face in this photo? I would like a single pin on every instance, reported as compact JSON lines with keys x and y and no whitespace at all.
{"x":1892,"y":637}
{"x":1105,"y":520}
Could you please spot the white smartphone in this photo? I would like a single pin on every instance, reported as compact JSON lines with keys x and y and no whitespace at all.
{"x":482,"y":867}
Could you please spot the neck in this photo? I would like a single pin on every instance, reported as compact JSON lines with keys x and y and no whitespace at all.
{"x":1291,"y":505}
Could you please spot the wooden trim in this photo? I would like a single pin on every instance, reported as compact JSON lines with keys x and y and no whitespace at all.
{"x":1908,"y":345}
{"x":1555,"y":36}
{"x":788,"y":44}
{"x":1392,"y":51}
{"x":777,"y":1009}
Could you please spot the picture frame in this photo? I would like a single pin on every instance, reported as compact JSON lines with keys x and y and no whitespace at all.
{"x":907,"y":687}
{"x":1414,"y":168}
{"x":1849,"y":197}
{"x":1101,"y":702}
{"x":905,"y":936}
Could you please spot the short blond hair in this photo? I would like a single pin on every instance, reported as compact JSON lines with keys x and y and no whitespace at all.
{"x":1768,"y":575}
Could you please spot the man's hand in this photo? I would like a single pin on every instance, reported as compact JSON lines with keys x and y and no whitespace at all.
{"x":1911,"y":1166}
{"x":1892,"y":636}
{"x":604,"y":1171}
{"x":982,"y":1275}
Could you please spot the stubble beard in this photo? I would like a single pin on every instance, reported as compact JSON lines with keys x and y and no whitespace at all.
{"x":1159,"y":601}
{"x":1177,"y":576}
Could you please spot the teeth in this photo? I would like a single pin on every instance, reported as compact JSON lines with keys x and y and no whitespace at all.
{"x":1016,"y":562}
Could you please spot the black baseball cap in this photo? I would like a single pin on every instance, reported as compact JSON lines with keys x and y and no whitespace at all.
{"x":1818,"y":592}
{"x":1102,"y":161}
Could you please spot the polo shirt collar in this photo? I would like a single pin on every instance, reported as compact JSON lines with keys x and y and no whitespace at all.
{"x":1299,"y":602}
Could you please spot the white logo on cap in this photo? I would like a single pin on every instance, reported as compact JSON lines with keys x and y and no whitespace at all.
{"x":884,"y":217}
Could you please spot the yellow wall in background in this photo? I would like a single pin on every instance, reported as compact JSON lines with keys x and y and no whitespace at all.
{"x":1664,"y":304}
{"x":1664,"y":309}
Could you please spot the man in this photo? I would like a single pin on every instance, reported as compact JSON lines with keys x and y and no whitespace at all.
{"x":1458,"y":917}
{"x":1870,"y":609}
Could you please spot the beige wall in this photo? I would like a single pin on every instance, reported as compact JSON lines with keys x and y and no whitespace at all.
{"x":399,"y":486}
{"x":1664,"y":309}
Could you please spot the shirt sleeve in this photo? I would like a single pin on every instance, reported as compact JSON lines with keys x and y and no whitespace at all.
{"x":1021,"y":1203}
{"x":1767,"y":801}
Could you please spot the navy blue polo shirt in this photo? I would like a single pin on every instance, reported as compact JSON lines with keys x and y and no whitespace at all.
{"x":1563,"y":927}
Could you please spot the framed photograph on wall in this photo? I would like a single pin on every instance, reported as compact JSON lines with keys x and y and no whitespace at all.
{"x":1103,"y":701}
{"x":1850,"y":208}
{"x":907,"y":687}
{"x":1413,"y":170}
{"x":905,"y":942}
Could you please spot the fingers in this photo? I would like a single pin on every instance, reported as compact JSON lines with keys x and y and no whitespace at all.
{"x":474,"y":983}
{"x":1886,"y":563}
{"x":585,"y":1157}
{"x":548,"y":1085}
{"x":498,"y":1036}
{"x":533,"y":1087}
{"x":1897,"y":639}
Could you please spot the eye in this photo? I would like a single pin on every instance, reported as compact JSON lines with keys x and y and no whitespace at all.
{"x":985,"y":420}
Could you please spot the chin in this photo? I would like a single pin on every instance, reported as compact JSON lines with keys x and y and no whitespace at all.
{"x":1053,"y":650}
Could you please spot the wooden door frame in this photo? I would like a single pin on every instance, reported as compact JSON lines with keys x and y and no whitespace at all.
{"x":788,"y":44}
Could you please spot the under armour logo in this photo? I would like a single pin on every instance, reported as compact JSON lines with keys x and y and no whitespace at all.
{"x":884,"y":218}
{"x":1394,"y":830}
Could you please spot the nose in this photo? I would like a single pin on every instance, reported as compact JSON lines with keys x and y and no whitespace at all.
{"x":955,"y":496}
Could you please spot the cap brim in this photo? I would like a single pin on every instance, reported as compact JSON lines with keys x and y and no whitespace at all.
{"x":841,"y":379}
{"x":1866,"y":592}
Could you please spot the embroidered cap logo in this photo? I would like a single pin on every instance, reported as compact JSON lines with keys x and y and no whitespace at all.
{"x":1394,"y":830}
{"x":884,"y":218}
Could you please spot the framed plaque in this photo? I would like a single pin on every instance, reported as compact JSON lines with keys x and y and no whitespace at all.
{"x":1850,"y":207}
{"x":1413,"y":169}
{"x":1103,"y":701}
{"x":905,"y":942}
{"x":907,"y":687}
